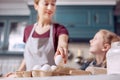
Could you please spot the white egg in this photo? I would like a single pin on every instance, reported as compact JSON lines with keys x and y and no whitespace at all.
{"x":45,"y":67}
{"x":58,"y":60}
{"x":53,"y":67}
{"x":36,"y":67}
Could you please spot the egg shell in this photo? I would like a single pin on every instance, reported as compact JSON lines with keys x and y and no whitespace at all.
{"x":58,"y":59}
{"x":46,"y":67}
{"x":53,"y":67}
{"x":36,"y":67}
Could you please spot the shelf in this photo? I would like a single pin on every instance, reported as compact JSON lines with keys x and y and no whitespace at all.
{"x":11,"y":53}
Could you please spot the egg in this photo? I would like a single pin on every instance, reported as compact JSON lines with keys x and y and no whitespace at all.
{"x":46,"y":67}
{"x":53,"y":67}
{"x":58,"y":60}
{"x":36,"y":67}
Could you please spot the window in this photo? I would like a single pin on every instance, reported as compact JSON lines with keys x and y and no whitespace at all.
{"x":16,"y":36}
{"x":1,"y":33}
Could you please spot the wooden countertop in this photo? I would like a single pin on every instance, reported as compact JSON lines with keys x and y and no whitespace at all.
{"x":85,"y":77}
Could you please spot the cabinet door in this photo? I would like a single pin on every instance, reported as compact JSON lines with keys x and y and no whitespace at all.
{"x":102,"y":18}
{"x":75,"y":19}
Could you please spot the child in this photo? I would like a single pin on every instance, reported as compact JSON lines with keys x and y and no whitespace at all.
{"x":99,"y":46}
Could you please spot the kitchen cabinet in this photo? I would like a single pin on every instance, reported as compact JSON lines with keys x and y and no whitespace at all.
{"x":75,"y":19}
{"x":117,"y":24}
{"x":83,"y":22}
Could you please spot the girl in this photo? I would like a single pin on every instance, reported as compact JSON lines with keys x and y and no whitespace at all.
{"x":99,"y":46}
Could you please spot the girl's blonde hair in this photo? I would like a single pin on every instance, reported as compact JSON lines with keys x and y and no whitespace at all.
{"x":109,"y":36}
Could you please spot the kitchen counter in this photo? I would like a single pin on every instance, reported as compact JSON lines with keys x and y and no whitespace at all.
{"x":85,"y":77}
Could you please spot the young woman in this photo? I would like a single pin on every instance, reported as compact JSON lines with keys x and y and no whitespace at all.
{"x":45,"y":39}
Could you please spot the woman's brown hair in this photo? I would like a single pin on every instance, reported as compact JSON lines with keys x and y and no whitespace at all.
{"x":37,"y":1}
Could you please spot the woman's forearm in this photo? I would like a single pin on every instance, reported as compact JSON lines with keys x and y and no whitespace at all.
{"x":22,"y":66}
{"x":62,"y":47}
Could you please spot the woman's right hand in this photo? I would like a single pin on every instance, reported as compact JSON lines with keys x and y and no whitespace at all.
{"x":11,"y":74}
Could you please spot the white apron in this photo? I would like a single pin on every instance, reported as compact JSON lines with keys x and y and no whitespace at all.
{"x":39,"y":51}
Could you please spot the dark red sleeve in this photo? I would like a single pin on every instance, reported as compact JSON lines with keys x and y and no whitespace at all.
{"x":58,"y":30}
{"x":27,"y":32}
{"x":61,"y":30}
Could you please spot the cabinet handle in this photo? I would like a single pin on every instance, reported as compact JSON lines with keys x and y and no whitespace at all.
{"x":71,"y":25}
{"x":96,"y":18}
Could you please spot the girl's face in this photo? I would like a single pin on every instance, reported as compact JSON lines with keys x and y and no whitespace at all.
{"x":45,"y":9}
{"x":97,"y":44}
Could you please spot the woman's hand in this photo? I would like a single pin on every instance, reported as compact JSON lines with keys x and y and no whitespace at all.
{"x":11,"y":74}
{"x":63,"y":52}
{"x":21,"y":68}
{"x":62,"y":48}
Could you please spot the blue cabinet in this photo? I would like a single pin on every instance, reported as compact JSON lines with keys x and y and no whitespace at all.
{"x":83,"y":22}
{"x":75,"y":19}
{"x":117,"y":24}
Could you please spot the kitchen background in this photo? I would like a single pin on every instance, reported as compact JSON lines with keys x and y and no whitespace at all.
{"x":82,"y":18}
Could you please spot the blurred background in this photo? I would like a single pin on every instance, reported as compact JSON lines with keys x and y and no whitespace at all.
{"x":82,"y":18}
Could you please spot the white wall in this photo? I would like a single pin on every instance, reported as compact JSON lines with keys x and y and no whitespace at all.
{"x":14,"y":7}
{"x":86,"y":2}
{"x":81,"y":2}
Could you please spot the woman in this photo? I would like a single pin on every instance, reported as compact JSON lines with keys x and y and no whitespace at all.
{"x":45,"y":39}
{"x":42,"y":39}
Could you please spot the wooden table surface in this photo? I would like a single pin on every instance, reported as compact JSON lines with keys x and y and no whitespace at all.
{"x":81,"y":77}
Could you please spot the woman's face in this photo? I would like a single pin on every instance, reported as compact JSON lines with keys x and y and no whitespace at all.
{"x":46,"y":9}
{"x":97,"y":44}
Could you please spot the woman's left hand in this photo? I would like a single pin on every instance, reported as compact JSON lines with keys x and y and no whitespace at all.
{"x":62,"y":48}
{"x":62,"y":51}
